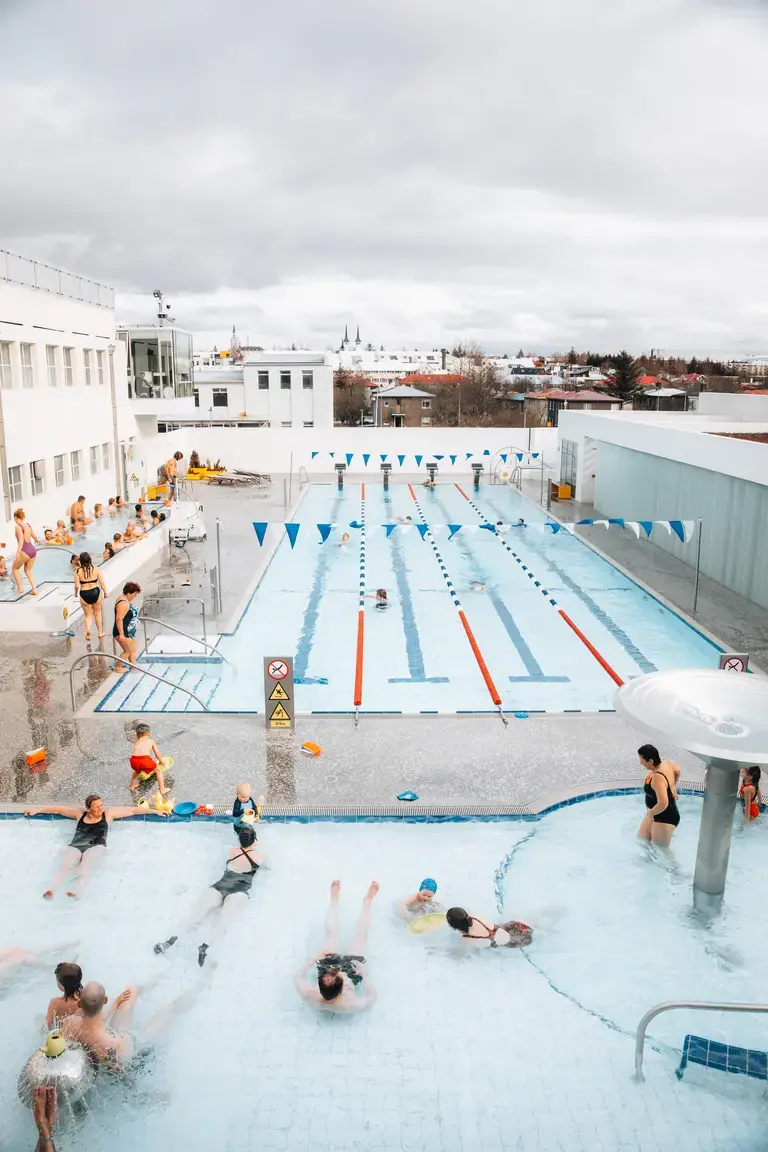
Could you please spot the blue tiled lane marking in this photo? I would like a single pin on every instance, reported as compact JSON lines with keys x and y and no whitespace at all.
{"x":312,"y":610}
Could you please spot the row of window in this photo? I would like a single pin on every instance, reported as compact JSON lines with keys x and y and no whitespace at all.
{"x":66,"y":467}
{"x":18,"y":365}
{"x":307,"y":378}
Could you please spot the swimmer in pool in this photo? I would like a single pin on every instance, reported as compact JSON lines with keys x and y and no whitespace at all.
{"x":405,"y":519}
{"x":69,"y":979}
{"x":420,"y":903}
{"x":521,"y":523}
{"x":484,"y":933}
{"x":381,"y":598}
{"x":476,"y":586}
{"x":341,"y":986}
{"x":344,"y":540}
{"x":749,"y":792}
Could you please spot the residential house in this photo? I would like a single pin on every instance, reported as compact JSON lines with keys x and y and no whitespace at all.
{"x":542,"y":408}
{"x":403,"y":407}
{"x":662,"y":400}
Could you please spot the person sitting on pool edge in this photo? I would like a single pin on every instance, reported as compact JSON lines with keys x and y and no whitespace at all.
{"x":339,"y":976}
{"x":420,"y":903}
{"x":512,"y":934}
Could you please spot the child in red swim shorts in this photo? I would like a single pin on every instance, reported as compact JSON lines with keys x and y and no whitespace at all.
{"x":146,"y":759}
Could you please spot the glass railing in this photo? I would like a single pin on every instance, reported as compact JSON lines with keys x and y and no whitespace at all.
{"x":45,"y":278}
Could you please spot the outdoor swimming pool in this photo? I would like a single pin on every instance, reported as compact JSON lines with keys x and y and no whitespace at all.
{"x":418,"y":655}
{"x":498,"y":1050}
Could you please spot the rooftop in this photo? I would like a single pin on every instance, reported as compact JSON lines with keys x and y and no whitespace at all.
{"x":403,"y":392}
{"x":433,"y":378}
{"x":584,"y":395}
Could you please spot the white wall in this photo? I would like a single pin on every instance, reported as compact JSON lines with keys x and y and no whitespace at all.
{"x":270,"y":449}
{"x":44,"y":421}
{"x":733,"y":405}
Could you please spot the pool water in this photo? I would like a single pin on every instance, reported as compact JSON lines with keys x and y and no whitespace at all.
{"x":498,"y":1050}
{"x":417,"y":656}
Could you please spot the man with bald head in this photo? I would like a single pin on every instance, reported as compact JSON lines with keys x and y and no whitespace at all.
{"x":106,"y":1035}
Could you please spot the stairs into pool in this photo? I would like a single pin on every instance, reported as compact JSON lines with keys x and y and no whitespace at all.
{"x":135,"y":692}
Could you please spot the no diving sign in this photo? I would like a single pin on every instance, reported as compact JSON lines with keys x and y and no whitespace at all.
{"x":279,"y":706}
{"x":734,"y":661}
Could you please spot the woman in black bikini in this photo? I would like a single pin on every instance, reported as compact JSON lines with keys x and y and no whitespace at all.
{"x":512,"y":934}
{"x":229,"y":893}
{"x":90,"y":587}
{"x":662,"y":816}
{"x":126,"y":619}
{"x":89,"y":843}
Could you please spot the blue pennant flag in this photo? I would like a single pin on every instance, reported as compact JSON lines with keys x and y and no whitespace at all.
{"x":439,"y":457}
{"x":677,"y":528}
{"x":503,"y":456}
{"x":400,"y":460}
{"x":383,"y":456}
{"x":535,"y":454}
{"x":325,"y":531}
{"x":519,"y":455}
{"x":648,"y":525}
{"x":489,"y":527}
{"x":469,"y":455}
{"x":366,"y":458}
{"x":422,"y":529}
{"x":454,"y":527}
{"x":616,"y":522}
{"x":389,"y":528}
{"x":486,"y":451}
{"x":355,"y":524}
{"x":331,"y":454}
{"x":555,"y":527}
{"x":260,"y":527}
{"x":315,"y":454}
{"x":418,"y":460}
{"x":349,"y":456}
{"x":292,"y":530}
{"x":452,"y":459}
{"x":585,"y":521}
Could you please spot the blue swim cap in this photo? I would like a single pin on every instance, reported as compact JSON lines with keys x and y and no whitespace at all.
{"x":428,"y":885}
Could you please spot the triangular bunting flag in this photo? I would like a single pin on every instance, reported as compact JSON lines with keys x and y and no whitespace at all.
{"x":260,"y":528}
{"x":331,"y":454}
{"x":349,"y":457}
{"x":585,"y":521}
{"x":389,"y":529}
{"x":292,"y":531}
{"x":555,"y":527}
{"x":647,"y":525}
{"x":437,"y":529}
{"x":486,"y":451}
{"x":665,"y":524}
{"x":325,"y":531}
{"x":355,"y":524}
{"x":503,"y":456}
{"x":400,"y":460}
{"x":469,"y":455}
{"x":689,"y":527}
{"x":383,"y":456}
{"x":535,"y":454}
{"x":439,"y":457}
{"x":568,"y":528}
{"x":453,"y":529}
{"x":519,"y":455}
{"x":422,"y":529}
{"x":471,"y":528}
{"x":315,"y":454}
{"x":418,"y":460}
{"x":487,"y":527}
{"x":633,"y":527}
{"x":366,"y":458}
{"x":616,"y":521}
{"x":452,"y":459}
{"x":603,"y":522}
{"x":677,"y":528}
{"x":406,"y":527}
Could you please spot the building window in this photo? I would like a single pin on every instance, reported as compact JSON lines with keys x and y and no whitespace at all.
{"x":100,"y":366}
{"x":569,"y":461}
{"x":426,"y":404}
{"x":74,"y":464}
{"x":58,"y":471}
{"x":286,"y":424}
{"x":50,"y":360}
{"x":219,"y":397}
{"x":285,"y":379}
{"x":87,"y":365}
{"x":69,"y":372}
{"x":94,"y":450}
{"x":307,"y":379}
{"x":309,"y":423}
{"x":106,"y":456}
{"x":6,"y":373}
{"x":263,"y":380}
{"x":15,"y":486}
{"x":37,"y":476}
{"x":426,"y":420}
{"x":196,"y":396}
{"x":27,"y":371}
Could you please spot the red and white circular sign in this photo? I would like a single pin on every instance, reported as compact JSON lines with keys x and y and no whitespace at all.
{"x":734,"y":664}
{"x":277,"y":669}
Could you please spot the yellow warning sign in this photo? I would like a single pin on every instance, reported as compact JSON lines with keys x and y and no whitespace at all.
{"x":279,"y":693}
{"x":279,"y":718}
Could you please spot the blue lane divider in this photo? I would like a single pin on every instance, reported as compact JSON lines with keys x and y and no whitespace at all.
{"x":416,"y":670}
{"x":312,"y":611}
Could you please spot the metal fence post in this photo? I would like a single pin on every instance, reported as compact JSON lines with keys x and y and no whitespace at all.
{"x":698,"y":571}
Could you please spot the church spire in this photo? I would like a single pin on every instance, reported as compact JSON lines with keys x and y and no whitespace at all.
{"x":357,"y":338}
{"x":345,"y":341}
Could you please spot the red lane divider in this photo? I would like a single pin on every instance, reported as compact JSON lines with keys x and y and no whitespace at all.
{"x":600,"y":659}
{"x":457,"y":604}
{"x":358,"y":698}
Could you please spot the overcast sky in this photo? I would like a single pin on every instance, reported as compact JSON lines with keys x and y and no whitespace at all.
{"x":547,"y":173}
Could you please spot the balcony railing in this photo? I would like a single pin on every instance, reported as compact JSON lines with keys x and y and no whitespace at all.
{"x":46,"y":278}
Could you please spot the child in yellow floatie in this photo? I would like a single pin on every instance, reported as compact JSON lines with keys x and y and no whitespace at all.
{"x":146,"y":760}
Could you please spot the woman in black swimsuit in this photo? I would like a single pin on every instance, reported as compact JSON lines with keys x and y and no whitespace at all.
{"x":126,"y":619}
{"x":662,"y":816}
{"x":229,"y":893}
{"x":89,"y":843}
{"x":89,"y":586}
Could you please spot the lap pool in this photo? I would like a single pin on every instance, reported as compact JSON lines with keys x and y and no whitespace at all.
{"x":475,"y":621}
{"x":500,"y":1050}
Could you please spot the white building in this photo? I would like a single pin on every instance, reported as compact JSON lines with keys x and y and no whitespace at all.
{"x":269,"y":389}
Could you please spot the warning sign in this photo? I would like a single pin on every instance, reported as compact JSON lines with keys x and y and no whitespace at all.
{"x":734,"y":661}
{"x":278,"y":692}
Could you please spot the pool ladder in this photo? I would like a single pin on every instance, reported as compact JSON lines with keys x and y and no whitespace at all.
{"x":669,"y":1006}
{"x":126,"y":663}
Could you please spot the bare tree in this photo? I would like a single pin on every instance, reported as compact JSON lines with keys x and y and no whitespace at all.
{"x":351,"y":396}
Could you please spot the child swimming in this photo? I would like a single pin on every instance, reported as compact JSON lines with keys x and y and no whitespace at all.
{"x":69,"y":978}
{"x":420,"y":903}
{"x":146,"y":760}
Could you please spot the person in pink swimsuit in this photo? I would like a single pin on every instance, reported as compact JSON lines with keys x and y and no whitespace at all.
{"x":25,"y":551}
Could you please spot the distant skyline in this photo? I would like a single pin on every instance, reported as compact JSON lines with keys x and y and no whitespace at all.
{"x":566,"y":173}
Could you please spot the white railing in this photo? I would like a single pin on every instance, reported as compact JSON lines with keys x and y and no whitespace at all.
{"x":46,"y":278}
{"x":669,"y":1006}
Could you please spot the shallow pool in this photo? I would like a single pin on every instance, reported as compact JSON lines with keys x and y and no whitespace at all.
{"x":498,"y":1050}
{"x":458,"y":606}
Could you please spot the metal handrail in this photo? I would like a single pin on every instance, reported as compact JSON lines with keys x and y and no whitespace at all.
{"x":303,"y":470}
{"x":186,"y":600}
{"x":668,"y":1006}
{"x":128,"y":664}
{"x":181,"y":632}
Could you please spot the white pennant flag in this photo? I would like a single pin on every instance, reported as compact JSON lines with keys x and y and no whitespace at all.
{"x":689,"y":527}
{"x":633,"y":526}
{"x":404,"y":527}
{"x":502,"y":528}
{"x":603,"y":522}
{"x":470,"y":528}
{"x":437,"y":529}
{"x":665,"y":524}
{"x":569,"y":528}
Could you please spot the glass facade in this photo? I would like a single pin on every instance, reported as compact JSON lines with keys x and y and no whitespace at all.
{"x":159,"y":362}
{"x":569,"y":460}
